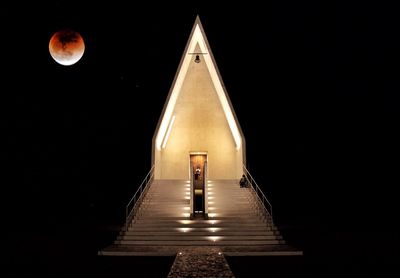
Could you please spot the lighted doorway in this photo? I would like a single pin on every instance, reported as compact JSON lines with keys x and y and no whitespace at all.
{"x":198,"y":170}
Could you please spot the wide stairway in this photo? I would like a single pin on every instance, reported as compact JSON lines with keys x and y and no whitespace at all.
{"x":235,"y":224}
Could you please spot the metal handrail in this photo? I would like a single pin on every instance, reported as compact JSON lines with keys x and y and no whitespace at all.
{"x":135,"y":201}
{"x":260,"y":194}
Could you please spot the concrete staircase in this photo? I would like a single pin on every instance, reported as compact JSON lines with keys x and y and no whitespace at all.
{"x":235,"y":225}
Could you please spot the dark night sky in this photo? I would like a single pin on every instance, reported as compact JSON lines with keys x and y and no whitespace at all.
{"x":315,"y":88}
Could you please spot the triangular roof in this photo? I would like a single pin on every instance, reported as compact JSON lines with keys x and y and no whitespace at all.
{"x":197,"y":41}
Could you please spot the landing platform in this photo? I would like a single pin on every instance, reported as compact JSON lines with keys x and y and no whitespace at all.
{"x":268,"y":250}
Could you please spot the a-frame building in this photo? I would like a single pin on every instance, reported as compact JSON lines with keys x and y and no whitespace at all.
{"x":198,"y":118}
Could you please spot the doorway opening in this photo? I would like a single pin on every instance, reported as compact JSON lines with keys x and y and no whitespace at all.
{"x":198,"y":170}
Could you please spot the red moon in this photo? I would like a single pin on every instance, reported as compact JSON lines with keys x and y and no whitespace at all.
{"x":66,"y":47}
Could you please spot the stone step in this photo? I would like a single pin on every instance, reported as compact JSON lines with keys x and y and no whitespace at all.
{"x":211,"y":241}
{"x":232,"y":222}
{"x":204,"y":231}
{"x":231,"y":225}
{"x":182,"y":199}
{"x":220,"y":196}
{"x":211,"y":186}
{"x":153,"y":216}
{"x":184,"y":214}
{"x":227,"y":186}
{"x":222,"y":224}
{"x":178,"y":213}
{"x":166,"y":201}
{"x":200,"y":224}
{"x":211,"y":221}
{"x":215,"y":197}
{"x":232,"y":250}
{"x":189,"y":236}
{"x":215,"y":201}
{"x":238,"y":206}
{"x":153,"y":228}
{"x":167,"y":221}
{"x":237,"y":209}
{"x":175,"y":190}
{"x":174,"y":229}
{"x":228,"y":226}
{"x":158,"y":206}
{"x":218,"y":192}
{"x":178,"y":210}
{"x":243,"y":230}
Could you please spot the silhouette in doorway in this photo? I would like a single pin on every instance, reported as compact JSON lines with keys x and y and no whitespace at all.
{"x":197,"y":173}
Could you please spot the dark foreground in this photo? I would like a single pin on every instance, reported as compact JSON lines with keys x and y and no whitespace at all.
{"x":241,"y":267}
{"x":331,"y":254}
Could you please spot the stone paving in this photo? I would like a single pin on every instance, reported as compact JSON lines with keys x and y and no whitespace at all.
{"x":200,"y":262}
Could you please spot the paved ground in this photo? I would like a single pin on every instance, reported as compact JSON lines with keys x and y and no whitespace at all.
{"x":200,"y":262}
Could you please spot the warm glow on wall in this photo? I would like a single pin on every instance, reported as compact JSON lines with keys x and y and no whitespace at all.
{"x":168,"y":132}
{"x":198,"y":38}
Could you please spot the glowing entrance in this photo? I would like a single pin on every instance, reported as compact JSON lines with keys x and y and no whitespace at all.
{"x":198,"y":188}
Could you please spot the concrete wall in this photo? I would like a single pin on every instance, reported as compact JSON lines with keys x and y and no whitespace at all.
{"x":200,"y":126}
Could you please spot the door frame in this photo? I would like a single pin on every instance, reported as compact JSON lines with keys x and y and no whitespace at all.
{"x":205,"y":191}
